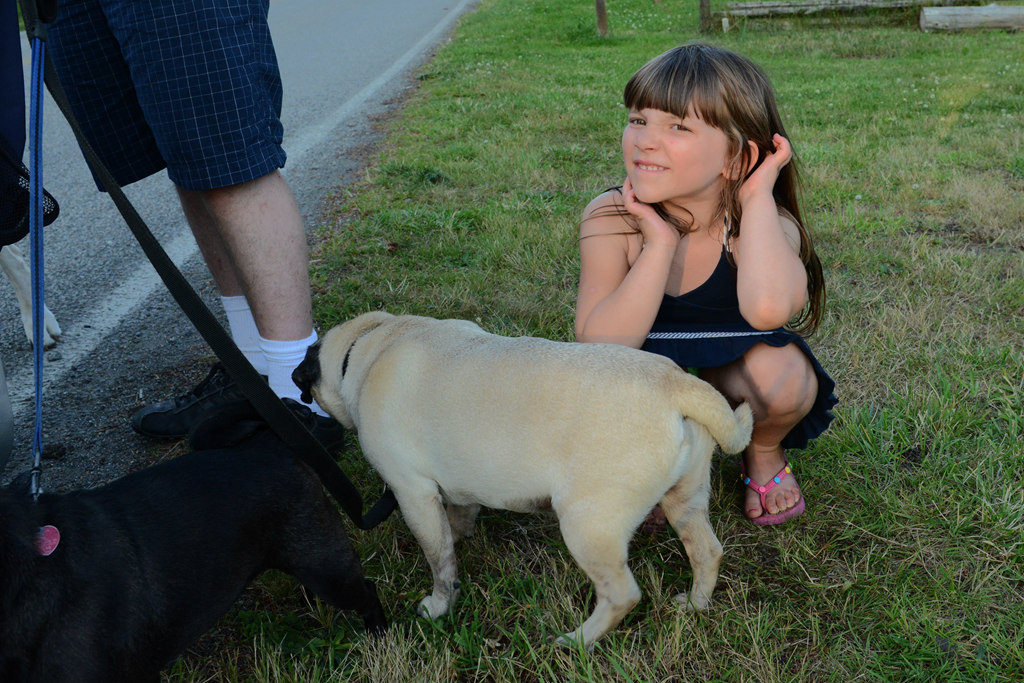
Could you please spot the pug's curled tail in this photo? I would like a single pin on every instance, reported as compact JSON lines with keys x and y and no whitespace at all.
{"x":738,"y":438}
{"x":703,"y":403}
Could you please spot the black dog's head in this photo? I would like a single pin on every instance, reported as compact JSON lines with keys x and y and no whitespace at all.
{"x":308,"y":372}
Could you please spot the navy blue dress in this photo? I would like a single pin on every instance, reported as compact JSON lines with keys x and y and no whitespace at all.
{"x":703,"y":328}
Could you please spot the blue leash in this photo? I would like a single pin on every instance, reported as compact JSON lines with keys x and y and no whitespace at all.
{"x":35,"y":213}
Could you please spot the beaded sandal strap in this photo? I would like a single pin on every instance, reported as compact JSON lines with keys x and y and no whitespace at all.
{"x":763,"y":489}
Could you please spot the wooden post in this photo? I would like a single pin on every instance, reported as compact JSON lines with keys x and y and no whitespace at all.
{"x":602,"y":18}
{"x":956,"y":18}
{"x":706,"y":23}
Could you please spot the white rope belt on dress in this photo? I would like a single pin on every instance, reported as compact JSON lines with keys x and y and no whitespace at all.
{"x":701,"y":335}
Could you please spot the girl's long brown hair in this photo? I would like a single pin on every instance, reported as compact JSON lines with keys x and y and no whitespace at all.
{"x":732,"y":94}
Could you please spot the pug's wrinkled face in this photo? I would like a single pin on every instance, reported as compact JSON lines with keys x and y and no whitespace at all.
{"x":334,"y":359}
{"x":307,"y":374}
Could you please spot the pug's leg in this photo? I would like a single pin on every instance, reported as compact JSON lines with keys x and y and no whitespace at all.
{"x":423,"y":511}
{"x":461,"y":518}
{"x":686,"y":508}
{"x":600,"y":547}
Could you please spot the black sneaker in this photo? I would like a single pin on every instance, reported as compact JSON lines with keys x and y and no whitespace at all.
{"x":327,"y":430}
{"x":174,"y":419}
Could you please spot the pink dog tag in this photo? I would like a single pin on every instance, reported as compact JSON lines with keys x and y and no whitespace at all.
{"x":47,"y":540}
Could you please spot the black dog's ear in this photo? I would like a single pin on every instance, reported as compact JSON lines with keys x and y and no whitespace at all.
{"x":308,"y":372}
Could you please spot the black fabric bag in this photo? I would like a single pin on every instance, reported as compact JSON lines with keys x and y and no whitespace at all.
{"x":14,"y":199}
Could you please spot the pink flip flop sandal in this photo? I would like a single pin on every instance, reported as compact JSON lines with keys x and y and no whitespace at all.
{"x":763,"y":489}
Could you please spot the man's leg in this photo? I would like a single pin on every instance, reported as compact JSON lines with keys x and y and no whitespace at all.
{"x":253,"y":240}
{"x":241,"y":322}
{"x":213,"y":214}
{"x":12,"y":84}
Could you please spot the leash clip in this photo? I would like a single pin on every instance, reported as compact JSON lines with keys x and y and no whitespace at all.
{"x":38,"y":30}
{"x":34,"y":487}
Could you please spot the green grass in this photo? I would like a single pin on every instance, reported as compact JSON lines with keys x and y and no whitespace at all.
{"x":909,"y":564}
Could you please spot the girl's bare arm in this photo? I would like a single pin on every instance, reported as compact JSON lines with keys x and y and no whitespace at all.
{"x":771,"y":281}
{"x":617,"y":302}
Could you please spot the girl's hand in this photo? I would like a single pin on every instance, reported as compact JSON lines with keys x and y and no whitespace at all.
{"x":655,"y":230}
{"x":762,"y":180}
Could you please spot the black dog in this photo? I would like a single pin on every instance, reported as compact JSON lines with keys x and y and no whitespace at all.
{"x":112,"y":584}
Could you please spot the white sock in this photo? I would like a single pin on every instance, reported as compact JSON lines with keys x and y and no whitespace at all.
{"x":244,"y":332}
{"x":282,"y":357}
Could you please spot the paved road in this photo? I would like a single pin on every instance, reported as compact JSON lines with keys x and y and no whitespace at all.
{"x":125,"y":343}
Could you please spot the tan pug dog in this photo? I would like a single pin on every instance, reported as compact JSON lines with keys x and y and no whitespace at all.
{"x":597,"y":433}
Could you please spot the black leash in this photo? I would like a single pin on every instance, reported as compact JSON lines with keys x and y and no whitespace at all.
{"x":267,"y":404}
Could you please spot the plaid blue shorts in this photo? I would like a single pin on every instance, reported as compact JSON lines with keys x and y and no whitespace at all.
{"x":190,"y":85}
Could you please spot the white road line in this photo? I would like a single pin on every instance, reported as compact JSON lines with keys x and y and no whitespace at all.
{"x":80,"y":342}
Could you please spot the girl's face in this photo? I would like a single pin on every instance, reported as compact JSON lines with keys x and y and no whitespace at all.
{"x":681,"y":161}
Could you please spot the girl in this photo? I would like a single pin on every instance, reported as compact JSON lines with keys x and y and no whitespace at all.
{"x":702,"y":256}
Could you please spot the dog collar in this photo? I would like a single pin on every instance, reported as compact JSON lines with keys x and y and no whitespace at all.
{"x":348,"y":351}
{"x":47,"y":540}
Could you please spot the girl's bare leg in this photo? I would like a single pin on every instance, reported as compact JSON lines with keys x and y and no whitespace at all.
{"x":781,"y":387}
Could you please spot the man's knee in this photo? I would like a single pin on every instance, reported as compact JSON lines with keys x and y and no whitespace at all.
{"x":229,"y":200}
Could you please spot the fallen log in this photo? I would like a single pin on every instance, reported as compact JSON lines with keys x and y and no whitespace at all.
{"x":771,"y":7}
{"x":959,"y":18}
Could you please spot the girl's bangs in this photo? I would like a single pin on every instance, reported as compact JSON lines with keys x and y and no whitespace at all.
{"x":676,"y":86}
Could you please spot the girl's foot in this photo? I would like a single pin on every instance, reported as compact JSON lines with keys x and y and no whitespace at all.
{"x":772,"y":494}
